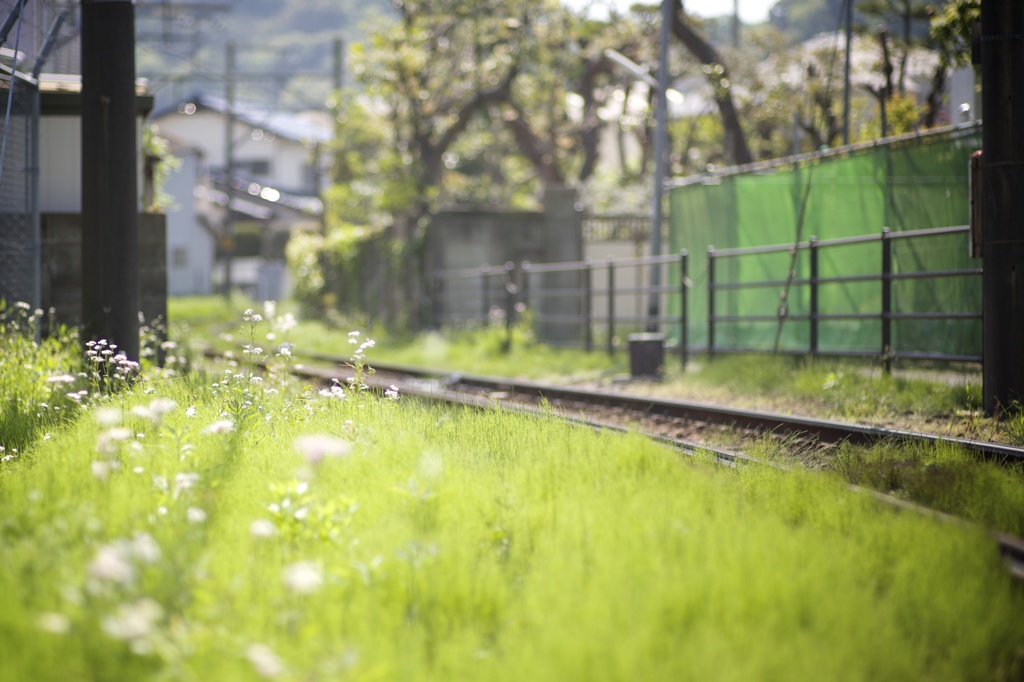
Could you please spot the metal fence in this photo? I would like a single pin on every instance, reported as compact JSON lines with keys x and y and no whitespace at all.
{"x":575,"y":303}
{"x":39,"y":34}
{"x":579,"y":303}
{"x":19,"y":200}
{"x":884,"y":313}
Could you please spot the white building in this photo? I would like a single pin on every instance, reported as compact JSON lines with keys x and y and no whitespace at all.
{"x":275,"y":189}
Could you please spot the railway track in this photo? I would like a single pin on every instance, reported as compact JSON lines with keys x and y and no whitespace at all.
{"x":672,"y":422}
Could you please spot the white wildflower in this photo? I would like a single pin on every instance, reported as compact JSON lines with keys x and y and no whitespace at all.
{"x":184,"y":481}
{"x":391,"y":393}
{"x":143,"y":412}
{"x":261,"y":528}
{"x":191,"y":411}
{"x":315,"y":447}
{"x":303,"y":577}
{"x":195,"y":515}
{"x":108,"y":441}
{"x":264,"y":660}
{"x":61,"y":379}
{"x":145,"y":548}
{"x":54,"y":623}
{"x":286,"y":323}
{"x":108,"y":416}
{"x":133,"y":621}
{"x":112,"y":565}
{"x":220,"y":426}
{"x":162,"y":406}
{"x":101,"y":469}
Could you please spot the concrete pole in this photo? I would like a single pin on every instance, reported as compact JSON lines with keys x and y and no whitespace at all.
{"x":338,"y":79}
{"x":660,"y":145}
{"x":1002,"y":168}
{"x":110,"y":201}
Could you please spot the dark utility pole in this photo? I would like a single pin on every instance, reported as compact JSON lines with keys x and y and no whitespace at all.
{"x":660,"y":148}
{"x":1002,"y":168}
{"x":110,"y":201}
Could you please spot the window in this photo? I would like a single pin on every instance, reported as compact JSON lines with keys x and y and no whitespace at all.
{"x":179,"y":257}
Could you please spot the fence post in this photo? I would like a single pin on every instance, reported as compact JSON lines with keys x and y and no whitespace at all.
{"x":485,"y":301}
{"x":588,"y":331}
{"x":510,"y":303}
{"x":524,"y":284}
{"x":813,"y":253}
{"x":611,"y":305}
{"x":437,"y":311}
{"x":683,"y":286}
{"x":711,"y":302}
{"x":886,"y":300}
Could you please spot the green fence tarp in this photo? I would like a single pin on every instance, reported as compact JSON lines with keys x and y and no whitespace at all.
{"x":912,"y":183}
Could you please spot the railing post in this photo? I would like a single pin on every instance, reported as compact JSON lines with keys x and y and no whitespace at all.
{"x":886,"y":300}
{"x":611,"y":306}
{"x":683,"y":286}
{"x":510,"y":303}
{"x":524,"y":284}
{"x":588,"y":330}
{"x":485,"y":301}
{"x":813,"y":253}
{"x":438,"y":293}
{"x":711,"y":302}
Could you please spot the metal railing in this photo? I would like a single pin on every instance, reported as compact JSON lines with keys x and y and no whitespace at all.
{"x":885,"y":277}
{"x":572,"y":303}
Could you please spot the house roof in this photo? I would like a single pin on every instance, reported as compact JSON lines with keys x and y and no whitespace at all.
{"x":302,"y":127}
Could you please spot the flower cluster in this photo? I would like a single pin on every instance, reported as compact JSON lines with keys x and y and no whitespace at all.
{"x":111,"y":369}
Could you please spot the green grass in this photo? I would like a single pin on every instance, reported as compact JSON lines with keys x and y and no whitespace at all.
{"x":943,"y":477}
{"x":839,"y":389}
{"x":450,"y":544}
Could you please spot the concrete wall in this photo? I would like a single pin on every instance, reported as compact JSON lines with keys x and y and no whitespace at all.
{"x":62,"y":265}
{"x":470,"y":238}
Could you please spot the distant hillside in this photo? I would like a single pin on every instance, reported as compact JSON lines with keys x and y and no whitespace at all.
{"x":273,"y":36}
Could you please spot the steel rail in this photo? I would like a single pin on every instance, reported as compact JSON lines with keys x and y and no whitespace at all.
{"x":823,"y":430}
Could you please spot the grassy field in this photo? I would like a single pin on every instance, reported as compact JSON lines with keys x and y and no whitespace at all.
{"x":230,"y":526}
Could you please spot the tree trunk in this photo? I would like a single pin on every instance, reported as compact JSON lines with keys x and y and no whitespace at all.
{"x":735,"y":139}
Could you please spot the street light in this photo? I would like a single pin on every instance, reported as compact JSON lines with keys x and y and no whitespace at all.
{"x":660,"y":143}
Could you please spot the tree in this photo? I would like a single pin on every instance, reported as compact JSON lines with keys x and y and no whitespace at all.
{"x":438,"y":66}
{"x":951,"y":30}
{"x":718,"y":77}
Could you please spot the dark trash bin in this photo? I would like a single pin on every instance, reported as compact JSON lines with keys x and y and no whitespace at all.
{"x":647,"y":356}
